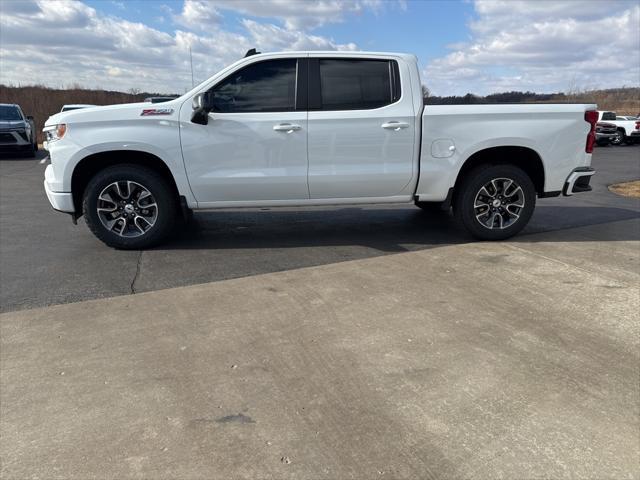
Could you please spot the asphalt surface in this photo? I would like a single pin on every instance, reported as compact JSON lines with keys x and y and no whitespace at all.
{"x":46,"y":260}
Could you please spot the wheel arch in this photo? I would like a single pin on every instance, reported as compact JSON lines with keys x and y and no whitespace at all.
{"x":86,"y":168}
{"x":523,"y":157}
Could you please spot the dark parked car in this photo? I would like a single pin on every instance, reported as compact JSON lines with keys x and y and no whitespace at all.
{"x":17,"y":131}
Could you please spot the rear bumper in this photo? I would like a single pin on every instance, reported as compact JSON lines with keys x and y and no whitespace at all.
{"x":578,"y":181}
{"x":61,"y":201}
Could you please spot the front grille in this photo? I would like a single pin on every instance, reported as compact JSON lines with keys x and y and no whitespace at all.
{"x":7,"y":138}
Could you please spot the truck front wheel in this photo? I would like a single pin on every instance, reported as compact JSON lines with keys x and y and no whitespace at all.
{"x":129,"y":207}
{"x":619,"y":137}
{"x":495,"y":202}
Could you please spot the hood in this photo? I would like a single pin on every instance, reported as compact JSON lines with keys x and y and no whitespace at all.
{"x":124,"y":111}
{"x":11,"y":124}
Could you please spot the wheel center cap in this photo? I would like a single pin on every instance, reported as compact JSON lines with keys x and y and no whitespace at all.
{"x":128,"y":208}
{"x":495,"y":203}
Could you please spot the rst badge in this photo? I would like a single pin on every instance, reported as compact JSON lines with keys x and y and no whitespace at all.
{"x":149,"y":112}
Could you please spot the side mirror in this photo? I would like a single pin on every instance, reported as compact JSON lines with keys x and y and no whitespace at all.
{"x":202,"y":104}
{"x":29,"y":117}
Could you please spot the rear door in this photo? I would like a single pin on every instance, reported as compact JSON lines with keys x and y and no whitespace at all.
{"x":254,"y":146}
{"x":361,"y":128}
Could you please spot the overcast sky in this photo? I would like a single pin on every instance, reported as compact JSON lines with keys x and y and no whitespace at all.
{"x":478,"y":46}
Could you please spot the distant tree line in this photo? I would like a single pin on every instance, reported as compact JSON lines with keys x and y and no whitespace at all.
{"x":505,"y":97}
{"x":624,"y":101}
{"x":41,"y":102}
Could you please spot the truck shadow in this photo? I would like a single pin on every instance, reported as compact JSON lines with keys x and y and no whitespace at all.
{"x":390,"y":229}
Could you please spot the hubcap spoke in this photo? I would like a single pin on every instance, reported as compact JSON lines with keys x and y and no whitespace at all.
{"x":499,"y":203}
{"x":119,"y":208}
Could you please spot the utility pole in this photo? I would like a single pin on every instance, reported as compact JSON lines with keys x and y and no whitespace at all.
{"x":191,"y":61}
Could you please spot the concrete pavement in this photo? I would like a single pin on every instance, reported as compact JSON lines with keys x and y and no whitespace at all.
{"x":502,"y":360}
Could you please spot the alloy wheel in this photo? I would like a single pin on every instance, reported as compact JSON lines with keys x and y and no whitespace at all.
{"x":499,"y":203}
{"x":127,"y":208}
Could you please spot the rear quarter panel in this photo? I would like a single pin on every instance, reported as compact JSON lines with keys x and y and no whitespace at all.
{"x":557,"y":133}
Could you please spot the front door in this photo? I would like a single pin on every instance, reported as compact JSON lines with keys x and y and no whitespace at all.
{"x":254,"y":146}
{"x":361,"y":129}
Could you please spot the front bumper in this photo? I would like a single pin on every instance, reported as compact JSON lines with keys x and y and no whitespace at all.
{"x":578,"y":181}
{"x":14,"y":138}
{"x":603,"y":135}
{"x":14,"y":141}
{"x":61,"y":201}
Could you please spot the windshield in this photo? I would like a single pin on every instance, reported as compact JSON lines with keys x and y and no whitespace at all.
{"x":9,"y":113}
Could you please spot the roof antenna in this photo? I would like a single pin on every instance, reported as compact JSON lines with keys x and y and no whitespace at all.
{"x":251,"y":52}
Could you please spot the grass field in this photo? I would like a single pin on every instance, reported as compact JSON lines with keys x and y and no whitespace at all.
{"x":627,"y":189}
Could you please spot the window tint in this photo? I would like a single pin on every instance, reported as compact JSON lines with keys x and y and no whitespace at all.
{"x":352,"y":84}
{"x":608,"y":116}
{"x":268,"y":86}
{"x":9,"y":113}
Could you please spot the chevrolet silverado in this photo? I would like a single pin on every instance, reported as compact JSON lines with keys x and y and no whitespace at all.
{"x":312,"y":128}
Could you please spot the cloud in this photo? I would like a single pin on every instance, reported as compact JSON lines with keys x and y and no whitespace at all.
{"x":199,"y":15}
{"x":114,"y":71}
{"x":277,"y":38}
{"x":59,"y":43}
{"x":294,"y":14}
{"x":542,"y":46}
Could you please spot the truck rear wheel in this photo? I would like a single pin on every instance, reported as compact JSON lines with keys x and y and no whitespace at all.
{"x":129,"y":207}
{"x":495,"y":202}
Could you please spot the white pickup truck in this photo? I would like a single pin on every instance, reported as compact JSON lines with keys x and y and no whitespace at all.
{"x":312,"y":128}
{"x":627,"y":127}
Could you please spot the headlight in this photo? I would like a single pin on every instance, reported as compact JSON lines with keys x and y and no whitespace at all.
{"x":55,"y":132}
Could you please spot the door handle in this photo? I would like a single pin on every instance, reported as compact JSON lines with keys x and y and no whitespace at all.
{"x":287,"y":127}
{"x":395,"y":126}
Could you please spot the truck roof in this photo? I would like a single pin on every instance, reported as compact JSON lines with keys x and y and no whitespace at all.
{"x":337,"y":53}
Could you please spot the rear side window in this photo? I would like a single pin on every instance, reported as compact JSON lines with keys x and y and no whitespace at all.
{"x":268,"y":86}
{"x":356,"y":84}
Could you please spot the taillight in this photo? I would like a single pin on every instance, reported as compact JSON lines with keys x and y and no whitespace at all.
{"x":638,"y":125}
{"x":591,"y":116}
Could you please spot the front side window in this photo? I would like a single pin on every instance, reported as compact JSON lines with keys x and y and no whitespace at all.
{"x":356,"y":84}
{"x":9,"y":113}
{"x":268,"y":86}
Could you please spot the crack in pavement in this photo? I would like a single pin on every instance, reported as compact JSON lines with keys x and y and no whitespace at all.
{"x":132,"y":287}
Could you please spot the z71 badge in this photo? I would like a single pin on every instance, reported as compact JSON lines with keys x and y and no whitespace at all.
{"x":147,"y":112}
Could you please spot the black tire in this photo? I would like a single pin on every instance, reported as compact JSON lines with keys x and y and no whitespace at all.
{"x":161,"y":193}
{"x":470,"y":190}
{"x":35,"y":146}
{"x":619,"y":138}
{"x":30,"y":152}
{"x":431,"y":207}
{"x":602,"y":143}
